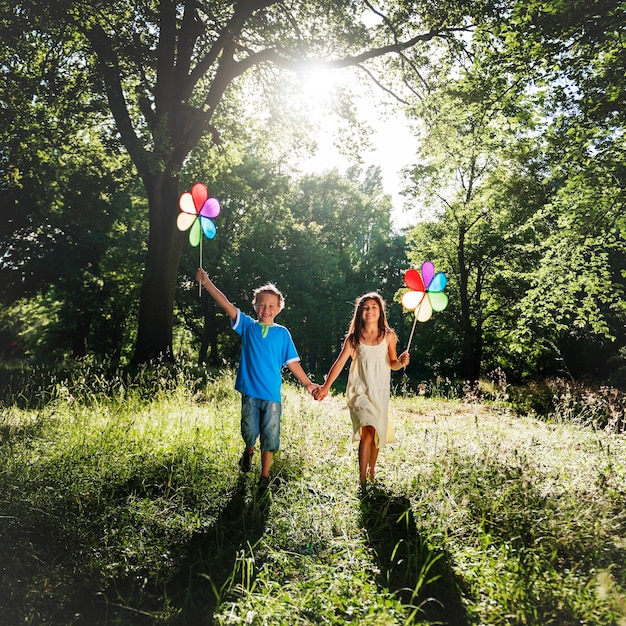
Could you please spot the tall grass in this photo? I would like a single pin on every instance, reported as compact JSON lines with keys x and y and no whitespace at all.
{"x":121,"y":503}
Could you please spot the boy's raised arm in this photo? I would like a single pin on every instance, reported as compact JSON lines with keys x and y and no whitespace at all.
{"x":203,"y":278}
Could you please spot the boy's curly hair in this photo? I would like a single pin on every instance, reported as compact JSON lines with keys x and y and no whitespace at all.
{"x":269,"y":288}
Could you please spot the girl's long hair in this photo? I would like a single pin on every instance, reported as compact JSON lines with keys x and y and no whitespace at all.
{"x":356,"y":324}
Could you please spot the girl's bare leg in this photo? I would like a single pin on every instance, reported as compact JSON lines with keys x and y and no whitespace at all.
{"x":373,"y":458}
{"x":367,"y":452}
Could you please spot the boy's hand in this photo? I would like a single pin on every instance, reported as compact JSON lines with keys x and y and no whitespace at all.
{"x":201,"y":275}
{"x":312,"y":389}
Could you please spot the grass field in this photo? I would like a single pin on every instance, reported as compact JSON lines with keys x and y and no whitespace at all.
{"x":122,"y":504}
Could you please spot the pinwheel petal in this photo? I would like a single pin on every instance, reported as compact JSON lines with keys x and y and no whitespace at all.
{"x":438,"y":300}
{"x":200,"y":194}
{"x":195,"y":234}
{"x":185,"y":220}
{"x":186,"y":204}
{"x":211,"y":208}
{"x":413,"y":280}
{"x":438,"y":282}
{"x":208,"y":227}
{"x":424,"y":311}
{"x":411,"y":299}
{"x":428,"y":271}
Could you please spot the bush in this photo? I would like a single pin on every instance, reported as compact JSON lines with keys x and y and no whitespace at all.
{"x":561,"y":400}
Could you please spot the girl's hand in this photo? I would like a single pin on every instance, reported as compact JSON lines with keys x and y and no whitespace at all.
{"x":320,"y":393}
{"x":404,"y":358}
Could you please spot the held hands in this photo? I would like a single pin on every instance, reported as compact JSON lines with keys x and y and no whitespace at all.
{"x":404,"y":358}
{"x":320,"y":393}
{"x":313,"y":388}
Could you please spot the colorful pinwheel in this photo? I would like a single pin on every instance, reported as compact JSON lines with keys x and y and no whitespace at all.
{"x":425,"y":293}
{"x":197,"y":209}
{"x":196,"y":213}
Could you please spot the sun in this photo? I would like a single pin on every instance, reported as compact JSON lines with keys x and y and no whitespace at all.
{"x":388,"y":141}
{"x":318,"y":85}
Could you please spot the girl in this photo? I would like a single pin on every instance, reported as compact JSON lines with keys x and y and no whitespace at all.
{"x":372,"y":345}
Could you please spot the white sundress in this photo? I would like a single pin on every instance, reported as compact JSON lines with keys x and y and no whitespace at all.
{"x":367,"y":392}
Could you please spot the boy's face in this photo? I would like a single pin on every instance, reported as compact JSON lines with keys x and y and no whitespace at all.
{"x":267,"y":307}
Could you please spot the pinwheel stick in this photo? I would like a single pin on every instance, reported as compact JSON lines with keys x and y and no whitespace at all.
{"x":411,"y":335}
{"x":200,"y":284}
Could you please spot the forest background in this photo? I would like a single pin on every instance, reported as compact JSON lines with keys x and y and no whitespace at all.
{"x":109,"y":112}
{"x":122,"y":502}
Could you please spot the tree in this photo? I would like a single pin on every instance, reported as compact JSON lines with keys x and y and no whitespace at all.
{"x":478,"y":174}
{"x":164,"y":69}
{"x":567,"y":222}
{"x":64,"y":194}
{"x":322,"y":239}
{"x":341,"y":246}
{"x":574,"y":51}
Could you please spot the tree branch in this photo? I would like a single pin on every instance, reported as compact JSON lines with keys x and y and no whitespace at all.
{"x":381,"y":86}
{"x":228,"y":35}
{"x":271,"y":55}
{"x":111,"y":72}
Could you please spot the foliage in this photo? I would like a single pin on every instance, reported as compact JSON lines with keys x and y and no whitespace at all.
{"x":123,"y":504}
{"x":522,"y":168}
{"x":518,"y":104}
{"x":341,"y":247}
{"x":168,"y":71}
{"x":322,"y":239}
{"x":562,"y":400}
{"x":478,"y":177}
{"x":89,"y":302}
{"x":71,"y":236}
{"x":574,"y":52}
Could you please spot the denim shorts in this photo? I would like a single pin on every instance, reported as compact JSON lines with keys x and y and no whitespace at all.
{"x":260,"y":418}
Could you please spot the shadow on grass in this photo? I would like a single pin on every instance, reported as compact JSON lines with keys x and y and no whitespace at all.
{"x":43,"y":577}
{"x":220,"y":557}
{"x":419,"y":574}
{"x":212,"y":563}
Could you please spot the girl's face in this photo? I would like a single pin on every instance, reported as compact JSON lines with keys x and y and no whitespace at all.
{"x":370,"y":311}
{"x":267,"y":307}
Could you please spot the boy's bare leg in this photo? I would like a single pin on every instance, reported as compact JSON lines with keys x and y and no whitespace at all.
{"x":266,"y":463}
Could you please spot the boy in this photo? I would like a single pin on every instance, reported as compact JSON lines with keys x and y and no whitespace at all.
{"x":265,"y":348}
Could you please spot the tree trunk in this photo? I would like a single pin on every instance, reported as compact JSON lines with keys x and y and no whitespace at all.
{"x":472,"y":336}
{"x":117,"y":342}
{"x":165,"y":245}
{"x":472,"y":354}
{"x":469,"y":363}
{"x":81,"y":334}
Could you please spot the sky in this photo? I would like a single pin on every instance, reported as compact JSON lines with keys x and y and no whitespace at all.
{"x":393,"y":144}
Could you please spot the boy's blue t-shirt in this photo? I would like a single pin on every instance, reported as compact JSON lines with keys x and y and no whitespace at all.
{"x":265,"y":350}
